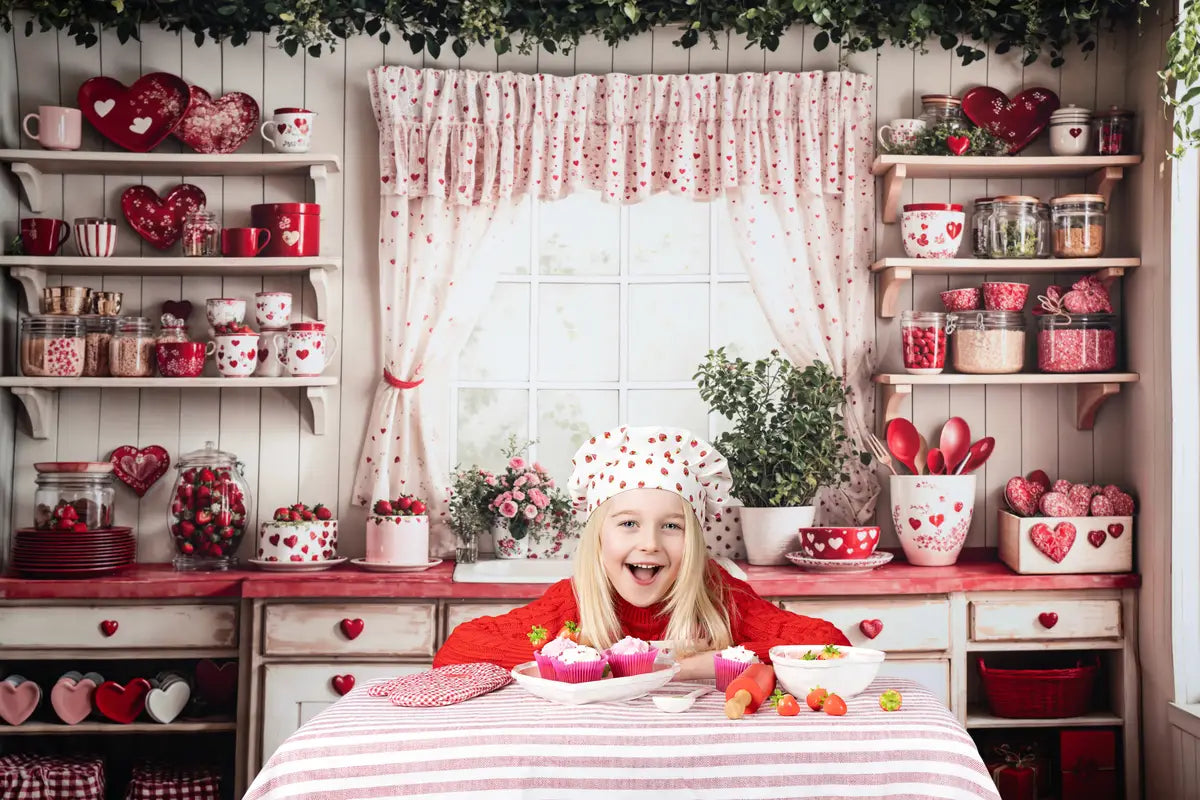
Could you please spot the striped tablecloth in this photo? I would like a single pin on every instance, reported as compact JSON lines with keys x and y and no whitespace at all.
{"x":510,"y":744}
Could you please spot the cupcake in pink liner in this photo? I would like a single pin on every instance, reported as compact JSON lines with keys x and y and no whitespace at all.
{"x":731,"y":662}
{"x":547,"y":657}
{"x":580,"y":664}
{"x":631,"y":656}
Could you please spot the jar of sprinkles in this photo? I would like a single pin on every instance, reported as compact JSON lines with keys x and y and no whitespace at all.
{"x":1077,"y":342}
{"x":98,"y":333}
{"x":131,"y":351}
{"x":52,"y":347}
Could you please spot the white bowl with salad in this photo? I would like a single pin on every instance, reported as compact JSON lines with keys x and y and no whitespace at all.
{"x":844,"y":671}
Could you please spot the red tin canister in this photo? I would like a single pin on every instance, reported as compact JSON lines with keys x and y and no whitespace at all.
{"x":295,"y":228}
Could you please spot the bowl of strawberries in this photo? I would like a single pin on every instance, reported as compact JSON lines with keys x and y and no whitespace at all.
{"x":844,"y":671}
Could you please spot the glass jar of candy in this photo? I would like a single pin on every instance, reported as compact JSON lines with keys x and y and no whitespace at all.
{"x":1077,"y":342}
{"x":942,"y":109}
{"x":923,"y":339}
{"x":200,"y":231}
{"x":131,"y":351}
{"x":1112,"y":132}
{"x":98,"y":333}
{"x":209,"y":511}
{"x":1019,"y":227}
{"x":1078,"y":222}
{"x":981,"y":246}
{"x":989,"y":342}
{"x":74,"y":501}
{"x":52,"y":347}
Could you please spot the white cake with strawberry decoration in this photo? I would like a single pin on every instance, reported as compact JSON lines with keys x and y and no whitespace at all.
{"x":398,"y":532}
{"x":299,"y":534}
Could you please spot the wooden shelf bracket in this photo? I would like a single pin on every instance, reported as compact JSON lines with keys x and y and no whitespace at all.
{"x":319,"y":278}
{"x":894,"y":395}
{"x":31,"y":182}
{"x":1103,"y":180}
{"x":33,"y":281}
{"x":39,"y":407}
{"x":1088,"y":399}
{"x":320,"y":178}
{"x":316,"y":401}
{"x":893,"y":182}
{"x":890,"y":282}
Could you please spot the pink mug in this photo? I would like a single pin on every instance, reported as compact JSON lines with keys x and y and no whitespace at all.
{"x":59,"y":128}
{"x":42,"y":236}
{"x":244,"y":242}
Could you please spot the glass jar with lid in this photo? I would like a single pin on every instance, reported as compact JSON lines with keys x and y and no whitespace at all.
{"x":52,"y":346}
{"x":200,"y":230}
{"x":1077,"y":342}
{"x":989,"y":342}
{"x":1112,"y":131}
{"x":131,"y":351}
{"x":1019,"y":227}
{"x":98,"y":333}
{"x":1078,"y":222}
{"x":172,"y":329}
{"x":74,"y":496}
{"x":209,"y":510}
{"x":923,"y":339}
{"x":942,"y":109}
{"x":981,"y":246}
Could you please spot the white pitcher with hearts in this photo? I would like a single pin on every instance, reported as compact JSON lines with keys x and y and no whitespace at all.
{"x":305,"y":349}
{"x":236,"y":354}
{"x":932,"y":515}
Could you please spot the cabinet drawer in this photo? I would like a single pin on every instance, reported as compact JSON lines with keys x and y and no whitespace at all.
{"x":464,"y":612}
{"x":1004,"y":621}
{"x":933,"y":675}
{"x":909,"y":624}
{"x":137,"y":626}
{"x":302,"y":629}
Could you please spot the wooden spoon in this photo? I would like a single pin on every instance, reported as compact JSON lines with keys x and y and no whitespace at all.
{"x":922,"y":454}
{"x":936,"y":462}
{"x":979,"y":453}
{"x":956,"y":441}
{"x":904,"y":441}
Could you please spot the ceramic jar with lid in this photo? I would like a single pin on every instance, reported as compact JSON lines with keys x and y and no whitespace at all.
{"x":1070,"y":131}
{"x":1019,"y":227}
{"x":989,"y":342}
{"x":52,"y":347}
{"x":1077,"y":342}
{"x":1112,"y":130}
{"x":210,"y":506}
{"x":78,"y":497}
{"x":942,"y":109}
{"x":1078,"y":222}
{"x":131,"y":351}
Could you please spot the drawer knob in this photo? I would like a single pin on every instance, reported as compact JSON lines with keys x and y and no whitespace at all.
{"x":1048,"y":619}
{"x":108,"y":627}
{"x":342,"y":683}
{"x":351,"y":628}
{"x":870,"y":628}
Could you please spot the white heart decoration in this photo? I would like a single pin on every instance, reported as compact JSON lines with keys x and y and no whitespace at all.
{"x":102,"y":107}
{"x":141,"y":124}
{"x":820,"y":547}
{"x":164,"y":705}
{"x":835,"y":543}
{"x":812,"y":537}
{"x":291,"y":237}
{"x":862,"y":536}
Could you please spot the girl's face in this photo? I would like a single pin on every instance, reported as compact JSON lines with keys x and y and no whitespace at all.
{"x":641,"y":544}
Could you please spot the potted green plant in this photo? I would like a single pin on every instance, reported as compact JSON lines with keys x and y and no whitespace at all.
{"x":787,"y":441}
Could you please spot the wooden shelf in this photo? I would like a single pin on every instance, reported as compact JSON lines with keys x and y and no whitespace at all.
{"x":31,"y":271}
{"x":37,"y":394}
{"x":979,"y":718}
{"x":1102,"y":171}
{"x":895,"y":272}
{"x":111,"y":728}
{"x":1091,"y":389}
{"x":32,"y":165}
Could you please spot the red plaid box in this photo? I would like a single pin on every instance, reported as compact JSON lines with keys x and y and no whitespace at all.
{"x":1089,"y":765}
{"x":32,"y":777}
{"x":163,"y":782}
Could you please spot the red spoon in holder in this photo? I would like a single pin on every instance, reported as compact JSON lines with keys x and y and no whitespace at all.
{"x":905,"y":442}
{"x":979,"y":453}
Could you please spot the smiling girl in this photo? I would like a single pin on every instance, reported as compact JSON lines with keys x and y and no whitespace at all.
{"x":642,"y":568}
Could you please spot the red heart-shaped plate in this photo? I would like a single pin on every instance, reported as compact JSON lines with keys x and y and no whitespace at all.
{"x":136,"y":117}
{"x":217,"y":126}
{"x":159,"y":220}
{"x":1018,"y":121}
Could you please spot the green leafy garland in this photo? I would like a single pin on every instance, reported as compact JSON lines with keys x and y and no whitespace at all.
{"x":932,"y":142}
{"x":1180,"y":79}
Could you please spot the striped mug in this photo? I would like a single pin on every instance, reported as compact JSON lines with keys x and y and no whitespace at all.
{"x":95,"y":236}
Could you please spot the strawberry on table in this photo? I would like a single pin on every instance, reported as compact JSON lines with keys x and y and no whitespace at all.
{"x":816,"y":698}
{"x":538,"y":636}
{"x":890,"y":700}
{"x":835,"y":706}
{"x":785,"y":704}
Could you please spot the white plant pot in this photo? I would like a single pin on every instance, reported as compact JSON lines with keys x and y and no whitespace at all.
{"x":771,"y":533}
{"x":932,"y":515}
{"x":506,"y":546}
{"x":398,"y":540}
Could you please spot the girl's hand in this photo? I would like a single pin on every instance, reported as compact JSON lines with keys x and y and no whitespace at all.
{"x":697,"y":667}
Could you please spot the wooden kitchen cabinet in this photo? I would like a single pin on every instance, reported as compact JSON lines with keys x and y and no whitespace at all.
{"x":378,"y":629}
{"x":119,"y":627}
{"x":909,"y":624}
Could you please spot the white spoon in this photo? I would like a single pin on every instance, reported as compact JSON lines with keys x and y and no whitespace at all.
{"x":673,"y":704}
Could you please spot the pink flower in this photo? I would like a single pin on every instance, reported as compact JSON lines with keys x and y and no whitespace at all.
{"x":516,"y":462}
{"x":532,"y":479}
{"x":490,"y":480}
{"x":539,"y":467}
{"x":519,"y":482}
{"x":538,"y":498}
{"x":531,"y":512}
{"x":550,"y":483}
{"x":518,"y":495}
{"x":508,"y":509}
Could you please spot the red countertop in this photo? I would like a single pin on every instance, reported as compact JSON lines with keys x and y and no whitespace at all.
{"x":975,"y":571}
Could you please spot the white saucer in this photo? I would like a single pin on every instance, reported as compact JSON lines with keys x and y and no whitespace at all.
{"x":383,"y":567}
{"x":296,"y":566}
{"x":844,"y":566}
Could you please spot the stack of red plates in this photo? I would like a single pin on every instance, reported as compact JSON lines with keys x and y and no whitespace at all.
{"x":58,"y":554}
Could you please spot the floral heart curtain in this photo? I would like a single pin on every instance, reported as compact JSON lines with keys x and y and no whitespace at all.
{"x":459,"y":148}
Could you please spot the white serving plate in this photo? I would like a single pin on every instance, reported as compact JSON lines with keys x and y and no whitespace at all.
{"x":606,"y":690}
{"x":842,"y":676}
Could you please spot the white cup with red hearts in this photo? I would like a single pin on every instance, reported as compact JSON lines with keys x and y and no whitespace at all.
{"x":225,"y":311}
{"x":272,"y":310}
{"x":932,"y":230}
{"x":932,"y":515}
{"x":270,"y":362}
{"x":305,"y":349}
{"x":236,"y":354}
{"x":289,"y":130}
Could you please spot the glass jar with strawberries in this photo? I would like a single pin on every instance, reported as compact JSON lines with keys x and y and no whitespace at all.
{"x":71,"y":499}
{"x":923,"y":340}
{"x":210,"y":507}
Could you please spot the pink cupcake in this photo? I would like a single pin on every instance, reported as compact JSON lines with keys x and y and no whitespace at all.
{"x":631,"y":656}
{"x":580,"y":664}
{"x":731,"y":662}
{"x":547,"y":657}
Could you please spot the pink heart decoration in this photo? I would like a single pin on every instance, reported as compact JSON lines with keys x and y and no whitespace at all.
{"x":136,"y":117}
{"x":217,"y":126}
{"x":160,"y":220}
{"x":1056,"y":504}
{"x":17,"y":703}
{"x":1101,"y":506}
{"x":1018,"y":121}
{"x":1054,"y":543}
{"x":72,"y":700}
{"x":138,"y":468}
{"x":1023,"y":496}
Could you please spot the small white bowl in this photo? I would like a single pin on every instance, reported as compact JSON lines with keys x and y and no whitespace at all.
{"x":844,"y":677}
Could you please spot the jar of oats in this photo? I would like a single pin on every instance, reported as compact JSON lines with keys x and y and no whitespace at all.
{"x":131,"y":351}
{"x":989,"y":342}
{"x":1078,"y":223}
{"x":52,"y":347}
{"x":98,"y":333}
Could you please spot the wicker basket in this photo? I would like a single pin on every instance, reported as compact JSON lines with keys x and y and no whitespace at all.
{"x":1039,"y":693}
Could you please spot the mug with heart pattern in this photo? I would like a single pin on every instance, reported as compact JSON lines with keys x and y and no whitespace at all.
{"x":270,"y":357}
{"x":932,"y":515}
{"x":272,"y":310}
{"x":289,"y":130}
{"x":305,"y":349}
{"x":236,"y":353}
{"x":900,"y":132}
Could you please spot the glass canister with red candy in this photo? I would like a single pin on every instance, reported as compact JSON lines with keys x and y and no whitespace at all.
{"x":1112,"y":132}
{"x":923,"y":341}
{"x":1077,"y":342}
{"x":210,"y":506}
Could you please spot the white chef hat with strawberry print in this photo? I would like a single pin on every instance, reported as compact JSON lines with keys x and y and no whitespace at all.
{"x":650,"y":458}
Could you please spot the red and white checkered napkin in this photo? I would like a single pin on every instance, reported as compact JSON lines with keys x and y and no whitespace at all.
{"x":443,"y":686}
{"x":166,"y":782}
{"x":35,"y":777}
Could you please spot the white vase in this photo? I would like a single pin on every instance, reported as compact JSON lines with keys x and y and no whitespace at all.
{"x":506,"y":546}
{"x":771,"y":533}
{"x":932,"y":515}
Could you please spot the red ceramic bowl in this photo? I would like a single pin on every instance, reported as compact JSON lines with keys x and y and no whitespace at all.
{"x":180,"y":359}
{"x":839,"y":544}
{"x":961,"y":299}
{"x":1005,"y":296}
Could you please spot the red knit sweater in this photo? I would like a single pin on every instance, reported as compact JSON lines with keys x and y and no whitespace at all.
{"x":755,"y":624}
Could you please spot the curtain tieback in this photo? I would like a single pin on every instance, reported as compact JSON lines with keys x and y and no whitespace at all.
{"x":399,"y":384}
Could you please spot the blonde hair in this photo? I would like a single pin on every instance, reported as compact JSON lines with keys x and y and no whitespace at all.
{"x":695,"y":603}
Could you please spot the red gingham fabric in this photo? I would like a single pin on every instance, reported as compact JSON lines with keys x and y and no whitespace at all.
{"x":443,"y":686}
{"x":163,"y":782}
{"x":35,"y":777}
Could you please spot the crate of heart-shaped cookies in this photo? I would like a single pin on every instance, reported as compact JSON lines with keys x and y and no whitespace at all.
{"x":1063,"y":527}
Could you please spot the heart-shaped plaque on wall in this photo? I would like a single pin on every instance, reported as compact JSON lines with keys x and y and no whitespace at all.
{"x":139,"y":469}
{"x":1017,"y":121}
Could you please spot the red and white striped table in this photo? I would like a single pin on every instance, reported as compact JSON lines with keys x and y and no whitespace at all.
{"x":510,"y":744}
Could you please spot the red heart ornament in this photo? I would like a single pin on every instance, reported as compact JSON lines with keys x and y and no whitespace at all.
{"x":178,"y":308}
{"x":160,"y":220}
{"x":122,"y":703}
{"x":1115,"y":530}
{"x":870,"y":628}
{"x":1048,"y":619}
{"x":1054,"y":543}
{"x":352,"y":628}
{"x":139,"y":469}
{"x":342,"y":683}
{"x":217,"y":126}
{"x":957,"y":144}
{"x":108,"y":627}
{"x":1023,"y":496}
{"x":1096,"y":538}
{"x":1040,"y":477}
{"x":17,"y":703}
{"x":953,"y":229}
{"x":217,"y":683}
{"x":1018,"y":121}
{"x":139,"y":116}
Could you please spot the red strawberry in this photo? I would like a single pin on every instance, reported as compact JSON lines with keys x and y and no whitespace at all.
{"x":816,"y":698}
{"x":405,"y":503}
{"x":294,"y":516}
{"x":834,"y":706}
{"x":227,"y":533}
{"x":418,"y":507}
{"x":224,"y":518}
{"x":186,"y":528}
{"x":282,"y":514}
{"x":206,"y":476}
{"x":322,"y":512}
{"x":203,"y":517}
{"x":383,"y":508}
{"x":189,"y":476}
{"x":187,"y":547}
{"x":79,"y":527}
{"x":307,"y":515}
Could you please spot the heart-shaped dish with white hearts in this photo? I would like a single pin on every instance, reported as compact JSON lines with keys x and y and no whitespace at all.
{"x":839,"y":543}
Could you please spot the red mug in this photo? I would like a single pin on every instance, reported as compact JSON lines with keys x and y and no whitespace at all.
{"x":244,"y":242}
{"x":42,"y":236}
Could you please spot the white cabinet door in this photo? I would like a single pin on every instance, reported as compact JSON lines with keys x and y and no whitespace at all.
{"x":933,"y":675}
{"x":295,"y":693}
